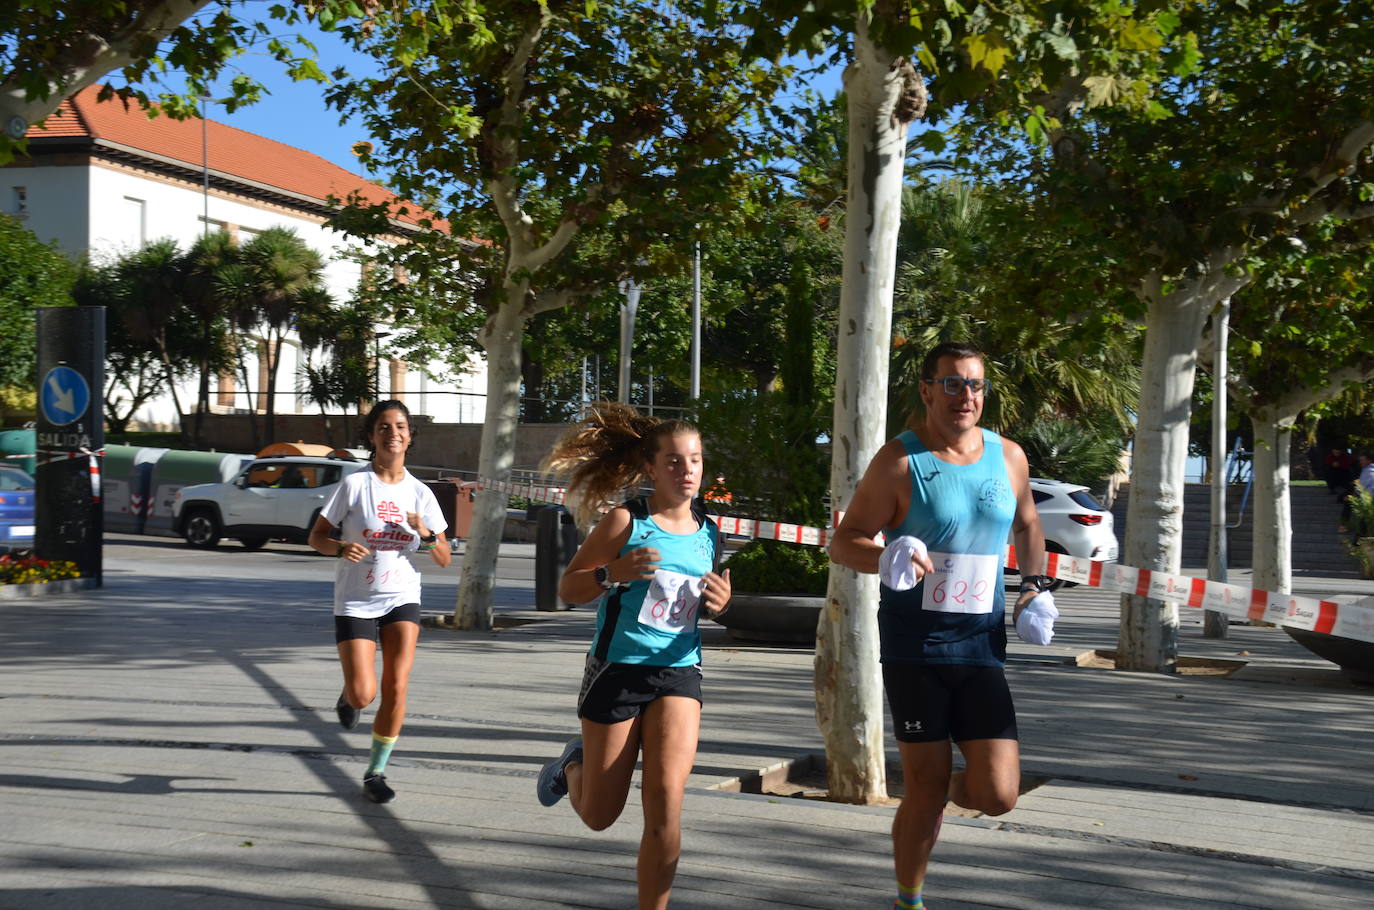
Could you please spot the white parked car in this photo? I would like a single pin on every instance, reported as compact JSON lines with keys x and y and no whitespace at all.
{"x":273,"y":497}
{"x":1073,"y":520}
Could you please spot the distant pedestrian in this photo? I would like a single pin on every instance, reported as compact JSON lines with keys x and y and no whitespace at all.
{"x":1363,"y":485}
{"x":384,"y":513}
{"x":1340,"y":468}
{"x":945,"y":495}
{"x":649,"y":563}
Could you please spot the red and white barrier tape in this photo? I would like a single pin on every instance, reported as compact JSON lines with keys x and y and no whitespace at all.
{"x":51,"y":456}
{"x":1347,"y":620}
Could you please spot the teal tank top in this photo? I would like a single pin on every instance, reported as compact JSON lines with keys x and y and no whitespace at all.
{"x":963,"y":513}
{"x":655,"y":622}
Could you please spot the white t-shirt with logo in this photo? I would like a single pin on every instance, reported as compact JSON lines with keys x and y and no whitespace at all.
{"x":373,"y":514}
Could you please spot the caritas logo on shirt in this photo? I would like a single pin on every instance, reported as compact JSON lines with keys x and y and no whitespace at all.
{"x":396,"y":535}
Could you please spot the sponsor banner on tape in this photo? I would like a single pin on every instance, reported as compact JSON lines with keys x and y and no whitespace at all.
{"x":1347,"y":620}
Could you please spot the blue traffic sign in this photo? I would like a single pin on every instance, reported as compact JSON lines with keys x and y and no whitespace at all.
{"x":64,"y":396}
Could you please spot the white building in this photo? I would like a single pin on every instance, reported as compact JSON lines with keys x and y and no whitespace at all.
{"x":104,"y":179}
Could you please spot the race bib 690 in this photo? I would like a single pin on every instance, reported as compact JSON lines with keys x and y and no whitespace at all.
{"x":961,"y":583}
{"x":671,"y":601}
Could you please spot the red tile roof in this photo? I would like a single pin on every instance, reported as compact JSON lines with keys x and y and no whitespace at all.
{"x":232,"y":151}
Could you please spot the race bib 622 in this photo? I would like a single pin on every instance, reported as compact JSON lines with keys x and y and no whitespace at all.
{"x":961,"y":583}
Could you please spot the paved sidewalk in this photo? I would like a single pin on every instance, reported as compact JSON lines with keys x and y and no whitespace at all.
{"x":169,"y":741}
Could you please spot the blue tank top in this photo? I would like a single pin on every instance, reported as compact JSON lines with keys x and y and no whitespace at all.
{"x":963,"y":514}
{"x":655,"y":622}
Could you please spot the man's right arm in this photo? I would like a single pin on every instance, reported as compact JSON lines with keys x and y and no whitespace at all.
{"x":877,"y":504}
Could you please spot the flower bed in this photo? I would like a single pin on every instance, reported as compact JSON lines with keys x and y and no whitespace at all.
{"x":27,"y":569}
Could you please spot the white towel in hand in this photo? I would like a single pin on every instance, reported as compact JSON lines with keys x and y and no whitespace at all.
{"x":895,"y":567}
{"x":1035,"y":625}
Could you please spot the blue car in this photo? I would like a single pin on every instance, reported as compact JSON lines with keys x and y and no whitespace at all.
{"x":17,"y":499}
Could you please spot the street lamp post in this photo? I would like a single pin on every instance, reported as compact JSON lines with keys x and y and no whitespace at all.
{"x":630,"y":288}
{"x":377,"y":365}
{"x":205,"y":166}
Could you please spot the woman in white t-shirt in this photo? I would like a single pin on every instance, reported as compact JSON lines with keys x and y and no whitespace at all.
{"x":384,"y":514}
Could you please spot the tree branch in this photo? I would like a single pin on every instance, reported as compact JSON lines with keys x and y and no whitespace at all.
{"x":1301,"y":397}
{"x":84,"y":62}
{"x":501,"y":138}
{"x":1317,"y":178}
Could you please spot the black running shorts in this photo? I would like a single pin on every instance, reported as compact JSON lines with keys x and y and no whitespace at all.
{"x":349,"y":627}
{"x":936,"y":702}
{"x":612,"y":693}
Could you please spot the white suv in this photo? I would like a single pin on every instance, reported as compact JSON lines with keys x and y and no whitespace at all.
{"x":274,"y":497}
{"x":1073,"y":520}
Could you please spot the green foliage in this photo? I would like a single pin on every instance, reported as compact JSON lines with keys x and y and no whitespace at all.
{"x":1216,"y":165}
{"x":970,"y":268}
{"x":144,"y":319}
{"x":340,"y":348}
{"x":1073,"y":452}
{"x":772,"y":567}
{"x":579,"y":143}
{"x":270,"y":284}
{"x":32,"y":274}
{"x":769,"y":455}
{"x":1000,"y":59}
{"x":1300,"y":332}
{"x":1361,"y":515}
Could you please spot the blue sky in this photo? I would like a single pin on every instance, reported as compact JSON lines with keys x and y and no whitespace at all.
{"x":295,"y":112}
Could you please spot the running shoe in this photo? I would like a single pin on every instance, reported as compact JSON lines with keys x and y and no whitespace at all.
{"x":553,"y":782}
{"x":348,"y":715}
{"x":377,"y":790}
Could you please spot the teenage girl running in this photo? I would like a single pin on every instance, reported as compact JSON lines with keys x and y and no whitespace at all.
{"x":649,"y":563}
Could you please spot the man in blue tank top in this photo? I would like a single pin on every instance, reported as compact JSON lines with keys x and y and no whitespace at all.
{"x":944,"y":496}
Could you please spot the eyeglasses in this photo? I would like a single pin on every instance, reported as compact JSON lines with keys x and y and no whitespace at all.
{"x":953,"y":385}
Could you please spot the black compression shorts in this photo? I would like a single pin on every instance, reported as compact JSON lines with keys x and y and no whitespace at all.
{"x":349,"y":627}
{"x":935,"y":702}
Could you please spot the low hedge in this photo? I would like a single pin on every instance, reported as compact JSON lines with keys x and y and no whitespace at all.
{"x":771,"y":567}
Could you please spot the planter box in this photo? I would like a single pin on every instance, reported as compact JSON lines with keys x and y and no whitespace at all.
{"x":45,"y":588}
{"x":1354,"y":657}
{"x":776,"y":618}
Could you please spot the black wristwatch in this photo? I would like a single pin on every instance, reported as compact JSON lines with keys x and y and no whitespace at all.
{"x":433,"y":536}
{"x":602,"y":574}
{"x":1036,"y":583}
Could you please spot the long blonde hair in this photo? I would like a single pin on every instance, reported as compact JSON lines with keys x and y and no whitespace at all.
{"x":606,"y":454}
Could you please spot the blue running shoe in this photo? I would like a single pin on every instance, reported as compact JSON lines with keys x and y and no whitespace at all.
{"x":553,"y":782}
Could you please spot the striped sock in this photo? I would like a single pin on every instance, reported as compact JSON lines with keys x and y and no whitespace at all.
{"x":908,"y":898}
{"x":381,"y":751}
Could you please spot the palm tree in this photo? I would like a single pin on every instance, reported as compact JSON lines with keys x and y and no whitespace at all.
{"x":203,"y":264}
{"x":275,"y":280}
{"x":343,"y":377}
{"x":151,"y":282}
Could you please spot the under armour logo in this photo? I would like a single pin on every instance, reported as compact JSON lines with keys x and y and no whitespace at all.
{"x":389,"y":512}
{"x":928,"y":477}
{"x":912,"y":726}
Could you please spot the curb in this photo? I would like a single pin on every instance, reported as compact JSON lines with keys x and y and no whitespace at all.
{"x":46,"y":588}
